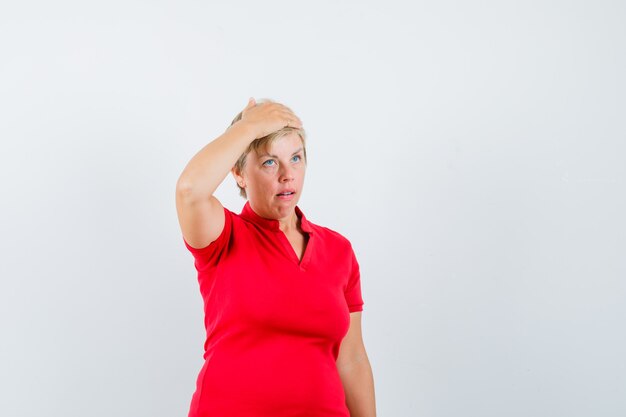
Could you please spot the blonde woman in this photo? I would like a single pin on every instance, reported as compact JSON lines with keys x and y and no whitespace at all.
{"x":282,"y":295}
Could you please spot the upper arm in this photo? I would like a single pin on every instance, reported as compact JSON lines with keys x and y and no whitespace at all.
{"x":352,"y":348}
{"x":201,"y":219}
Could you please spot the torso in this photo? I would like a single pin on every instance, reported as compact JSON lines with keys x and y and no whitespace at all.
{"x":271,"y":319}
{"x":298,"y":240}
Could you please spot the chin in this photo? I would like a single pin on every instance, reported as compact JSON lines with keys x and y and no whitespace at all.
{"x":291,"y":204}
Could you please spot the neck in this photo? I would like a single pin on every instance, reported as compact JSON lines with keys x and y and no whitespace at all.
{"x":289,"y":223}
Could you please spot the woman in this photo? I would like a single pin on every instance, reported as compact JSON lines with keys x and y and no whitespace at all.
{"x":282,"y":295}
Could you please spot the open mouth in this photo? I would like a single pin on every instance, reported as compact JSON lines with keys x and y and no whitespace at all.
{"x":286,"y":193}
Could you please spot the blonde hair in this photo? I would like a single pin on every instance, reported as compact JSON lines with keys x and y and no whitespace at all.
{"x":263,"y":143}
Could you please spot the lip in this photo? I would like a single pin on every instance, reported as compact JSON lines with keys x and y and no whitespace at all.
{"x":286,"y":197}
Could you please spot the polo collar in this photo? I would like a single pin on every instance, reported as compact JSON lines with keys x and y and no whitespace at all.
{"x":273,"y":224}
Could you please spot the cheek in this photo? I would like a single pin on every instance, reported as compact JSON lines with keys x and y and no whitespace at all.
{"x":264,"y":177}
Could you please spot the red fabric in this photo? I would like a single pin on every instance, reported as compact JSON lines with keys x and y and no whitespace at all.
{"x":274,"y":324}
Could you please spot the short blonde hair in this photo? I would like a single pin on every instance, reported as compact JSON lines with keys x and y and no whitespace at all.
{"x":263,"y":143}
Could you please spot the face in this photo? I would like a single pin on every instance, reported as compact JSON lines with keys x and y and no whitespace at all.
{"x":273,"y":172}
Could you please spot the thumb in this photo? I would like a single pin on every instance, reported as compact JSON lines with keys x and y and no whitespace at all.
{"x":251,"y":103}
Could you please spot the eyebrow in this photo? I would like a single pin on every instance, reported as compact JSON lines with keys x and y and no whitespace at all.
{"x":274,"y":156}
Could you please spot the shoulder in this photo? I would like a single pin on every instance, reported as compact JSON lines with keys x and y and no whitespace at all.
{"x":330,"y":235}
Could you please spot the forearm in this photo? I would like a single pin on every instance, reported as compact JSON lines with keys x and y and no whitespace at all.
{"x":208,"y":168}
{"x":358,"y":385}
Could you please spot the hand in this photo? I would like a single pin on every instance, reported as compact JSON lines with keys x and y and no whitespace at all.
{"x":266,"y":118}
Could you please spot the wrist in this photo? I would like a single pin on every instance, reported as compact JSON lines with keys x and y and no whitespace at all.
{"x":245,"y":129}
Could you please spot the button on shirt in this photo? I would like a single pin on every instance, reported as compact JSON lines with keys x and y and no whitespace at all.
{"x":274,"y":323}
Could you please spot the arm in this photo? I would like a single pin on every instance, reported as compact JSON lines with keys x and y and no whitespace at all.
{"x":355,"y":371}
{"x":200,"y":214}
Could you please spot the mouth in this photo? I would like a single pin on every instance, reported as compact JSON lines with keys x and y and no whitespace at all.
{"x":286,"y":194}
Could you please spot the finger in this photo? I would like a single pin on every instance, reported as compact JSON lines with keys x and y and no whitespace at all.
{"x":289,"y":114}
{"x":294,"y":122}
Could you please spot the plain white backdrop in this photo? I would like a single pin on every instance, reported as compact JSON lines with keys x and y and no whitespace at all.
{"x":473,"y":153}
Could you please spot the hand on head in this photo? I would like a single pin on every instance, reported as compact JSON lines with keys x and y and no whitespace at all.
{"x":266,"y":118}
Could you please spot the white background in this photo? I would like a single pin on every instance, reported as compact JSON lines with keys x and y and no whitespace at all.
{"x":473,"y":152}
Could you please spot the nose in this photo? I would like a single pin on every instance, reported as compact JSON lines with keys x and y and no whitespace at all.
{"x":286,"y":173}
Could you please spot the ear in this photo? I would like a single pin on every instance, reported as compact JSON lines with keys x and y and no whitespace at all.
{"x":238,"y":178}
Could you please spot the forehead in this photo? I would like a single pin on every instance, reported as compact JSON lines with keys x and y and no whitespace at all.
{"x":285,"y":145}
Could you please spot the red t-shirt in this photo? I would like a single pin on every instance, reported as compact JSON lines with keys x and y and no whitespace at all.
{"x":274,"y":324}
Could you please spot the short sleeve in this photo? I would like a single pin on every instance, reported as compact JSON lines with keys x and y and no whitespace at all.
{"x":353,"y":295}
{"x":209,"y":255}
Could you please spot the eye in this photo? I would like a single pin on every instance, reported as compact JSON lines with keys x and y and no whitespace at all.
{"x":269,"y":163}
{"x":296,"y":158}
